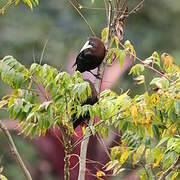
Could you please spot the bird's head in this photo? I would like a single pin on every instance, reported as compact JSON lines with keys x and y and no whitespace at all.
{"x":96,"y":46}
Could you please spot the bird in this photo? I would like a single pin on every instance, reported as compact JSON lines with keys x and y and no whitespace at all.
{"x":91,"y":55}
{"x":90,"y":100}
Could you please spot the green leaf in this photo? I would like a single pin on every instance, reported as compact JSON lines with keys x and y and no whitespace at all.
{"x":163,"y":140}
{"x":177,"y":107}
{"x":174,"y":175}
{"x":110,"y":56}
{"x":161,"y":83}
{"x":104,"y":34}
{"x":156,"y":152}
{"x":147,"y":61}
{"x":125,"y":125}
{"x":27,"y":107}
{"x":3,"y":103}
{"x":122,"y":57}
{"x":3,"y":177}
{"x":156,"y":131}
{"x":13,"y":73}
{"x":111,"y":164}
{"x":156,"y":58}
{"x":138,"y":69}
{"x":148,"y":155}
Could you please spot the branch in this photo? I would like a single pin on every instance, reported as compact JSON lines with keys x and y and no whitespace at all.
{"x":146,"y":65}
{"x":90,"y":28}
{"x":107,"y":43}
{"x":84,"y":144}
{"x":14,"y":151}
{"x":67,"y":151}
{"x":168,"y":171}
{"x":144,"y":167}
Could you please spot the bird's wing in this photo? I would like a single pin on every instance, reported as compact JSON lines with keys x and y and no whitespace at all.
{"x":82,"y":56}
{"x":86,"y":56}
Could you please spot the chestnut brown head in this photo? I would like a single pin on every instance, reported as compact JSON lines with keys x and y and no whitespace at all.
{"x":96,"y":46}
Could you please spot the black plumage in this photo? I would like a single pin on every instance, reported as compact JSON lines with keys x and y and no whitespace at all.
{"x":91,"y":55}
{"x":89,"y":101}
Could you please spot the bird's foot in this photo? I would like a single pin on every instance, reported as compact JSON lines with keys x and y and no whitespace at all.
{"x":96,"y":75}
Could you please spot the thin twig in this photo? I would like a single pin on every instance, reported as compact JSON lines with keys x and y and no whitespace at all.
{"x":15,"y":152}
{"x":42,"y":90}
{"x":146,"y":65}
{"x":146,"y":171}
{"x":137,"y":8}
{"x":101,"y":141}
{"x":153,"y":173}
{"x":44,"y":48}
{"x":101,"y":68}
{"x":106,"y":9}
{"x":170,"y":169}
{"x":90,"y":28}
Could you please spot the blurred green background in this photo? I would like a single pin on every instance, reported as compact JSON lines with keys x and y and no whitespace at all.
{"x":156,"y":27}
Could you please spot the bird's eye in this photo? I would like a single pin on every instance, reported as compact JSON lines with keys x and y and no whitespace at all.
{"x":92,"y":43}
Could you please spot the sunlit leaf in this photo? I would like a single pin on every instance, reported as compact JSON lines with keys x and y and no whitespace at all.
{"x":138,"y":69}
{"x":100,"y":174}
{"x":140,"y":79}
{"x":174,"y":176}
{"x":167,"y":60}
{"x":124,"y":157}
{"x":2,"y":177}
{"x":104,"y":34}
{"x":3,"y":103}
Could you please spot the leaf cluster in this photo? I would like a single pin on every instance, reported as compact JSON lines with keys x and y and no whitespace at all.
{"x":8,"y":3}
{"x":42,"y":96}
{"x":149,"y":123}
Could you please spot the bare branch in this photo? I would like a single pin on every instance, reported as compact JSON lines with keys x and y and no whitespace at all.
{"x":15,"y":152}
{"x":105,"y":5}
{"x":90,"y":28}
{"x":44,"y":48}
{"x":146,"y":65}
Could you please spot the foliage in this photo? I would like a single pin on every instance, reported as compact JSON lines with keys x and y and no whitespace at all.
{"x":29,"y":3}
{"x":43,"y":97}
{"x":55,"y":100}
{"x":2,"y":177}
{"x":149,"y":122}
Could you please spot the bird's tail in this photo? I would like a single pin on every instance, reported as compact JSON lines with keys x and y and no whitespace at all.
{"x":73,"y":64}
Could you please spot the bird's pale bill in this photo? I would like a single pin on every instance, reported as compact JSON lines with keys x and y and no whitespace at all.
{"x":86,"y":46}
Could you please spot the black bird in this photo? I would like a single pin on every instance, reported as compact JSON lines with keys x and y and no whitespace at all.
{"x":90,"y":101}
{"x":91,"y":55}
{"x":81,"y":119}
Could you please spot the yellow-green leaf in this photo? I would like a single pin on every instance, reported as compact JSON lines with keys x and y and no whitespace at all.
{"x":174,"y":175}
{"x":124,"y":157}
{"x":29,"y":3}
{"x":3,"y":103}
{"x":3,"y":177}
{"x":104,"y":34}
{"x":158,"y":160}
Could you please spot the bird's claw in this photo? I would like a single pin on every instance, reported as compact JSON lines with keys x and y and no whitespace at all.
{"x":98,"y":76}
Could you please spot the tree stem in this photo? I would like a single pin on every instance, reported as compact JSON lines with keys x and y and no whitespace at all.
{"x":67,"y":151}
{"x":15,"y":152}
{"x":66,"y":164}
{"x":84,"y":144}
{"x":83,"y":155}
